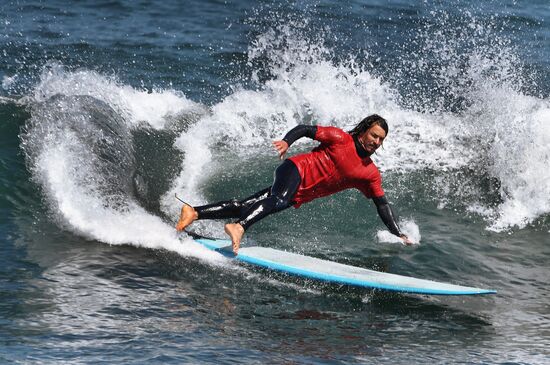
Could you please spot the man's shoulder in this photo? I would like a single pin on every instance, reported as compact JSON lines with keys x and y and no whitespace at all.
{"x":331,"y":129}
{"x":334,"y":133}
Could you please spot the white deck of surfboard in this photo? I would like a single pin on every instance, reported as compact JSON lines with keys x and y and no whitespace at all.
{"x":329,"y":271}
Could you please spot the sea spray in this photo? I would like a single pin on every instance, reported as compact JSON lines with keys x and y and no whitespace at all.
{"x":309,"y":89}
{"x":448,"y":131}
{"x":79,"y":149}
{"x":151,"y":107}
{"x":408,"y":227}
{"x":309,"y":85}
{"x":503,"y":126}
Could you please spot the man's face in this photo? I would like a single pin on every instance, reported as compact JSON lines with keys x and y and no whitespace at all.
{"x":372,"y":138}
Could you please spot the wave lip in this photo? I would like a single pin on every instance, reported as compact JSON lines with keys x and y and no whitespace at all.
{"x":136,"y":106}
{"x":79,"y":148}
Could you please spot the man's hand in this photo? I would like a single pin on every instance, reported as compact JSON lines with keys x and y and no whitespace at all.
{"x":406,"y":240}
{"x":281,"y":147}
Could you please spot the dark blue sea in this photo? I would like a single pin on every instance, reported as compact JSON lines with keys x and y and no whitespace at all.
{"x":110,"y":108}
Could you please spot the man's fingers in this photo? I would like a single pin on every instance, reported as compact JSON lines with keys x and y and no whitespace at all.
{"x":281,"y":148}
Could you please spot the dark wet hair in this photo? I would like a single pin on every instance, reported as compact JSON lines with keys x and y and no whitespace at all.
{"x":368,"y":122}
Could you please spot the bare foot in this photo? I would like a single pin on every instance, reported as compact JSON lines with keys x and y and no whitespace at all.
{"x":236,"y":232}
{"x":188,"y":215}
{"x":406,"y":240}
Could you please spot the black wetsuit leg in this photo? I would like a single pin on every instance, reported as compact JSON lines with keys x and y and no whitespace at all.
{"x":267,"y":201}
{"x":285,"y":185}
{"x":229,"y":208}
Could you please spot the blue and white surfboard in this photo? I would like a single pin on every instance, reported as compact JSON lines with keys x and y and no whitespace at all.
{"x":333,"y":272}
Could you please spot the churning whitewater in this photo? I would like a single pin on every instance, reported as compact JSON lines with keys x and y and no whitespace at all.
{"x":110,"y":109}
{"x":79,"y":143}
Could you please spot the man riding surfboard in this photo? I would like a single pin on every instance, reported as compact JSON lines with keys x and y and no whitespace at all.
{"x":342,"y":161}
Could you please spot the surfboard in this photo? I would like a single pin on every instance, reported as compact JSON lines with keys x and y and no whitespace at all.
{"x":334,"y":272}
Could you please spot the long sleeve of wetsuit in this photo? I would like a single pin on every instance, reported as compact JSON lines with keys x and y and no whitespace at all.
{"x":300,"y":131}
{"x":385,"y":212}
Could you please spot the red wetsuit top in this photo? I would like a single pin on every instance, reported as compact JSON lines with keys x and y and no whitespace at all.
{"x":334,"y":166}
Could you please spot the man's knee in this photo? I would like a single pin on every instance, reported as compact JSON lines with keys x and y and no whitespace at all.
{"x":281,"y":203}
{"x":234,"y":203}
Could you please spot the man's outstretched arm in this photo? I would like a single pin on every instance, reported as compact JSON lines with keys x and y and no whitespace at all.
{"x":385,"y":212}
{"x":300,"y":131}
{"x":292,"y":136}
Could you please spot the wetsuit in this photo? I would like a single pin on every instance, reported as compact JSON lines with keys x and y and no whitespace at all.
{"x":267,"y":201}
{"x":339,"y":163}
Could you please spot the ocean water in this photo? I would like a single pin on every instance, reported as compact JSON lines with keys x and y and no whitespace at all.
{"x":109,"y":108}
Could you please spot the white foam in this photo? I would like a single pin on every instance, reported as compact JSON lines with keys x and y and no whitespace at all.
{"x":8,"y":81}
{"x":70,"y":174}
{"x":408,"y":227}
{"x":71,"y":189}
{"x":84,"y":211}
{"x":308,"y":85}
{"x":502,"y":127}
{"x":504,"y":132}
{"x":521,"y":157}
{"x":151,"y":107}
{"x":481,"y":210}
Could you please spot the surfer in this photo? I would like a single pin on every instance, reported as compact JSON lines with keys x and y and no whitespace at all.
{"x":342,"y":161}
